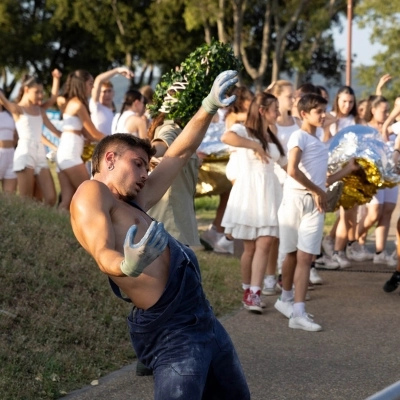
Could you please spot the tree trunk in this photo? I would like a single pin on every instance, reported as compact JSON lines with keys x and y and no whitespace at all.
{"x":220,"y":21}
{"x":207,"y":32}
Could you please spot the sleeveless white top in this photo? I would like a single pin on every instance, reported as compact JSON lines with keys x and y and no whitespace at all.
{"x":118,"y":124}
{"x":29,"y":127}
{"x":341,"y":123}
{"x":284,"y":132}
{"x":71,"y":123}
{"x":7,"y":126}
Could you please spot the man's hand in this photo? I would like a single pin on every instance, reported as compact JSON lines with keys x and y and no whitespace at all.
{"x":217,"y":96}
{"x":320,"y":200}
{"x":138,"y":256}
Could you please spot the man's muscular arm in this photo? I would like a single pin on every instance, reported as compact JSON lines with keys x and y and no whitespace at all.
{"x":92,"y":225}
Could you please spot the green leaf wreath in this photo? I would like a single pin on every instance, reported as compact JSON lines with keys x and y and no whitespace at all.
{"x":180,"y":93}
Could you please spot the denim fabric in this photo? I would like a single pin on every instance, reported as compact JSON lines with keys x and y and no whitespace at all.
{"x":191,"y":354}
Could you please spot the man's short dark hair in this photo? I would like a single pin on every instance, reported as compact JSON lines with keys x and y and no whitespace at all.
{"x":119,"y":142}
{"x":310,"y":101}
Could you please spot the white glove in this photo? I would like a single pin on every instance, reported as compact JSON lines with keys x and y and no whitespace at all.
{"x":217,"y":96}
{"x":138,"y":256}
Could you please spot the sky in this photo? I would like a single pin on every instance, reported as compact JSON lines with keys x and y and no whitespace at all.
{"x":361,"y":46}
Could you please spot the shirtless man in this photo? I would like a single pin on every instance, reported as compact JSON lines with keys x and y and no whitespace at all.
{"x":173,"y":330}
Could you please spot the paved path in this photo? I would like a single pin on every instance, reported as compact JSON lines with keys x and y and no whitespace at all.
{"x":353,"y":357}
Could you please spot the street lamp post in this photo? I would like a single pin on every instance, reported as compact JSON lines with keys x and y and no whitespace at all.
{"x":349,"y":28}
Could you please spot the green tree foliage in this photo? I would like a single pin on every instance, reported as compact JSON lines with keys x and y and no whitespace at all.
{"x":383,"y":18}
{"x":269,"y":36}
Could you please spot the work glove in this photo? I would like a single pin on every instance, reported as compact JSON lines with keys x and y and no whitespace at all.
{"x":138,"y":256}
{"x":217,"y":96}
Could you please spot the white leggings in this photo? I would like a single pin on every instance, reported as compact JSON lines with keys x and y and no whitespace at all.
{"x":69,"y":150}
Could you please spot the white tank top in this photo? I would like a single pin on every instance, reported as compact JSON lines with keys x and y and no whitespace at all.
{"x":341,"y":123}
{"x":71,"y":123}
{"x":284,"y":132}
{"x":29,"y":127}
{"x":7,"y":126}
{"x":118,"y":125}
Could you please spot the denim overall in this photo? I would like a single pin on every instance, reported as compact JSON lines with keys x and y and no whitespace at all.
{"x":179,"y":338}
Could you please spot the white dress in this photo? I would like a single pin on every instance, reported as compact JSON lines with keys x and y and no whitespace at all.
{"x":252,"y":209}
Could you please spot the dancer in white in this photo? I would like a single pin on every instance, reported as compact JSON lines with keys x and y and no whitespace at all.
{"x":30,"y":162}
{"x":251,"y":212}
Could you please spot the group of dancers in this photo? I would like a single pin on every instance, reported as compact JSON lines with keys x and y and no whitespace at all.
{"x":278,"y":159}
{"x":278,"y":169}
{"x":24,"y":166}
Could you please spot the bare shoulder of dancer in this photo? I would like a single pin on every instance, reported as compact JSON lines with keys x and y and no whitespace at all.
{"x":100,"y":222}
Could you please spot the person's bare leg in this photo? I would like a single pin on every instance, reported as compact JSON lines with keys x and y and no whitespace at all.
{"x":246,"y":260}
{"x":26,"y":182}
{"x":9,"y":186}
{"x":46,"y":184}
{"x":260,"y":259}
{"x":373,"y":214}
{"x":302,"y":276}
{"x":273,"y":257}
{"x":382,"y":229}
{"x":288,"y":270}
{"x":70,"y":179}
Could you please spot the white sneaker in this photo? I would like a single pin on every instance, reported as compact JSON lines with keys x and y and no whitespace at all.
{"x":304,"y":322}
{"x":314,"y":277}
{"x":381,"y":258}
{"x":223,"y":245}
{"x":284,"y":307}
{"x":341,"y":259}
{"x":328,"y":245}
{"x":356,"y":252}
{"x":209,"y":237}
{"x":392,"y":261}
{"x":326,"y":262}
{"x":269,"y":288}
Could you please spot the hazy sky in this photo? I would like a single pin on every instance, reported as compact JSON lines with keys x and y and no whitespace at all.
{"x":361,"y":46}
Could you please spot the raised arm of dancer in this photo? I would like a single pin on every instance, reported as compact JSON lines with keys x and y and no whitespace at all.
{"x":385,"y":78}
{"x":54,"y":90}
{"x":105,"y":76}
{"x":392,"y":116}
{"x":12,"y":107}
{"x":187,"y":142}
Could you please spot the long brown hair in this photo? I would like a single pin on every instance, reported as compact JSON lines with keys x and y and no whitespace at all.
{"x":75,"y":86}
{"x":254,"y":124}
{"x":29,"y":82}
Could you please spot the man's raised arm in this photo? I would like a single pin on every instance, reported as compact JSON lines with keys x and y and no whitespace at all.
{"x":188,"y":141}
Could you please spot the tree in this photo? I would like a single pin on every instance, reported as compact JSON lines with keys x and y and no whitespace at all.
{"x":384,"y":20}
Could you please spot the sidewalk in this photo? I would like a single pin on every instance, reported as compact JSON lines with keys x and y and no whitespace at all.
{"x":352,"y":358}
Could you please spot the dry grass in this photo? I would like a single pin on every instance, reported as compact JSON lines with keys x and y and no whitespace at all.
{"x":60,"y":325}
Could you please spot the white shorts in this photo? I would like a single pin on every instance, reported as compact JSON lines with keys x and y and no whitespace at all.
{"x":301,"y":225}
{"x":7,"y":164}
{"x":30,"y":154}
{"x":70,"y":149}
{"x":387,"y":195}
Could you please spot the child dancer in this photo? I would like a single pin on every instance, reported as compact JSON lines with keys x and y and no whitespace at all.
{"x":251,"y":212}
{"x":301,"y":214}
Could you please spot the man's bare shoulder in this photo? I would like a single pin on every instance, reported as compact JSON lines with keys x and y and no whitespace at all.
{"x":92,"y":194}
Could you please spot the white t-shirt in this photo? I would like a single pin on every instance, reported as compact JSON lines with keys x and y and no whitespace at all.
{"x":396,"y":128}
{"x":313,"y":162}
{"x":101,"y":117}
{"x":341,"y":123}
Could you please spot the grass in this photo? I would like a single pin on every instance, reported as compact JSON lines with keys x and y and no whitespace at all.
{"x":60,"y":325}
